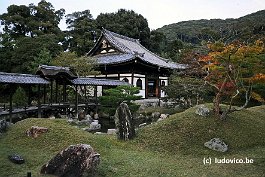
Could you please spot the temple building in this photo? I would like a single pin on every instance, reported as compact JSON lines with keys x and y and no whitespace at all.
{"x":123,"y":58}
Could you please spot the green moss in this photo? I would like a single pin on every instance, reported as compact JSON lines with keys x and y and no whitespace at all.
{"x":173,"y":147}
{"x":186,"y":132}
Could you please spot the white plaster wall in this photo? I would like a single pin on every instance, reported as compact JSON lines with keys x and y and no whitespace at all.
{"x":99,"y":91}
{"x":128,"y":76}
{"x":112,"y":75}
{"x":162,"y":93}
{"x":142,"y":91}
{"x":163,"y":78}
{"x":139,"y":75}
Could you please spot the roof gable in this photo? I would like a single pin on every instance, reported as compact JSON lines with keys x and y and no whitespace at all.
{"x":125,"y":46}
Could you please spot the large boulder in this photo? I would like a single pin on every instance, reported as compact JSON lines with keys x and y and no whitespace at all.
{"x":217,"y":145}
{"x":124,"y":123}
{"x":75,"y":161}
{"x":36,"y":131}
{"x":202,"y":110}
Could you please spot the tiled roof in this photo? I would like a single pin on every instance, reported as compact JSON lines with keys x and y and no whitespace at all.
{"x":51,"y":71}
{"x":95,"y":81}
{"x":17,"y":78}
{"x":114,"y":58}
{"x":132,"y":49}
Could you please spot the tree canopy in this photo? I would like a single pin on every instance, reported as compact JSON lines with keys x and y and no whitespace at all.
{"x":126,"y":22}
{"x":28,"y":30}
{"x":82,"y":32}
{"x":83,"y":66}
{"x":232,"y":69}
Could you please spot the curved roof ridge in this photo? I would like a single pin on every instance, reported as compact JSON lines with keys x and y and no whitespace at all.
{"x":132,"y":46}
{"x":134,"y":40}
{"x":164,"y":59}
{"x":111,"y":38}
{"x":121,"y":36}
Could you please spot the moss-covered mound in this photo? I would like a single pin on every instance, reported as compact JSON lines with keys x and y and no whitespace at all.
{"x":179,"y":141}
{"x":187,"y":132}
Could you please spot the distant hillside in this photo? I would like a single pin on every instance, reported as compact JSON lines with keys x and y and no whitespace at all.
{"x":247,"y":28}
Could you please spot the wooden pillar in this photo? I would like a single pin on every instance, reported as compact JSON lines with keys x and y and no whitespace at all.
{"x":133,"y":73}
{"x":76,"y":101}
{"x":96,"y":97}
{"x":157,"y":88}
{"x":44,"y":95}
{"x":132,"y":78}
{"x":146,"y":87}
{"x":56,"y":91}
{"x":10,"y":106}
{"x":29,"y":94}
{"x":64,"y":92}
{"x":51,"y":97}
{"x":39,"y":106}
{"x":85,"y":91}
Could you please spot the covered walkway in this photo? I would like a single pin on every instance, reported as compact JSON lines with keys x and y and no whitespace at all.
{"x":52,"y":84}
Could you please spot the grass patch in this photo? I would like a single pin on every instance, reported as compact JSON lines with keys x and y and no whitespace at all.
{"x":173,"y":147}
{"x":186,"y":132}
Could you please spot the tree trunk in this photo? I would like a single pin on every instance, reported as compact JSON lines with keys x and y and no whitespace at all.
{"x":216,"y":103}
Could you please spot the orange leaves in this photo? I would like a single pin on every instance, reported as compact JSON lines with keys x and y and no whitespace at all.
{"x":206,"y":58}
{"x":258,"y":78}
{"x":257,"y":97}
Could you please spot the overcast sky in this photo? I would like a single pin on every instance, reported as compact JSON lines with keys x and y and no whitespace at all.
{"x":157,"y":12}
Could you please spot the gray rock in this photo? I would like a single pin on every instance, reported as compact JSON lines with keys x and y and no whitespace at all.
{"x":99,"y":133}
{"x":124,"y":123}
{"x":111,"y":132}
{"x":3,"y":126}
{"x":52,"y":117}
{"x":164,"y":116}
{"x":81,"y":115}
{"x":76,"y":160}
{"x":88,"y":117}
{"x":95,"y":125}
{"x":83,"y":122}
{"x":71,"y":121}
{"x":160,"y":119}
{"x":36,"y":131}
{"x":142,"y":125}
{"x":156,"y":115}
{"x":202,"y":110}
{"x":217,"y":145}
{"x":96,"y":116}
{"x":17,"y":159}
